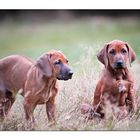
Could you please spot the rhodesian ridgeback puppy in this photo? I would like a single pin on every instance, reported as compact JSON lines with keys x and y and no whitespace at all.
{"x":116,"y":85}
{"x":36,"y":81}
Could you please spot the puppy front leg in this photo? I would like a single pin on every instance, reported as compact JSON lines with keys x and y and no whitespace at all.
{"x":29,"y":109}
{"x":51,"y":107}
{"x":97,"y":100}
{"x":132,"y":99}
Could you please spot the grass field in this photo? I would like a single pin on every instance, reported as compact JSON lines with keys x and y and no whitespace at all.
{"x":80,"y":40}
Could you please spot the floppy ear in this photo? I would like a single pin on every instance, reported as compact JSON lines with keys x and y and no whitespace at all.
{"x":131,"y":53}
{"x":44,"y":65}
{"x":102,"y":55}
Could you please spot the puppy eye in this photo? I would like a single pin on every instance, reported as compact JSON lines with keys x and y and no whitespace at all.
{"x":124,"y":51}
{"x":112,"y":52}
{"x":67,"y":61}
{"x":57,"y":62}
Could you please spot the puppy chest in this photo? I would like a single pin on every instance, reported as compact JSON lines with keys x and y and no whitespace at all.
{"x":44,"y":96}
{"x":116,"y":92}
{"x":116,"y":86}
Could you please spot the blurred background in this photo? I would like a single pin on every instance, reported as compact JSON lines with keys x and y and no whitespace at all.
{"x":32,"y":32}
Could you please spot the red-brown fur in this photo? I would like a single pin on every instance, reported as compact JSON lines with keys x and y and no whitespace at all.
{"x":116,"y":85}
{"x":36,"y":81}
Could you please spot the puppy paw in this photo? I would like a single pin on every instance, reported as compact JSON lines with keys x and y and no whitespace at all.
{"x":88,"y":111}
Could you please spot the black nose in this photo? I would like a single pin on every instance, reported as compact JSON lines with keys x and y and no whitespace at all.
{"x":70,"y":73}
{"x":119,"y":63}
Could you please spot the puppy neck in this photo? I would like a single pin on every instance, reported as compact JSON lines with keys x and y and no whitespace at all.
{"x":118,"y":74}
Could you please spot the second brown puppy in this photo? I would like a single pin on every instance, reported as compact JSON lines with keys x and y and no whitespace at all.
{"x":116,"y":85}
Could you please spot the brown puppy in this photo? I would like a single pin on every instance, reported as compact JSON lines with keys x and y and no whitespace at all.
{"x":116,"y":85}
{"x":37,"y":82}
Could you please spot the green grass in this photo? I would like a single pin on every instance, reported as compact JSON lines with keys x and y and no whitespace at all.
{"x":80,"y":40}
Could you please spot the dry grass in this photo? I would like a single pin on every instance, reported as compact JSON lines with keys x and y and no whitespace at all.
{"x":71,"y":94}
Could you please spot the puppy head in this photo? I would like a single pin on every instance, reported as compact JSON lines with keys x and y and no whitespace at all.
{"x":54,"y":64}
{"x":116,"y":54}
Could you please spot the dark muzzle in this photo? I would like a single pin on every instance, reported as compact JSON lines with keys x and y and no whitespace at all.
{"x":66,"y":75}
{"x":119,"y":64}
